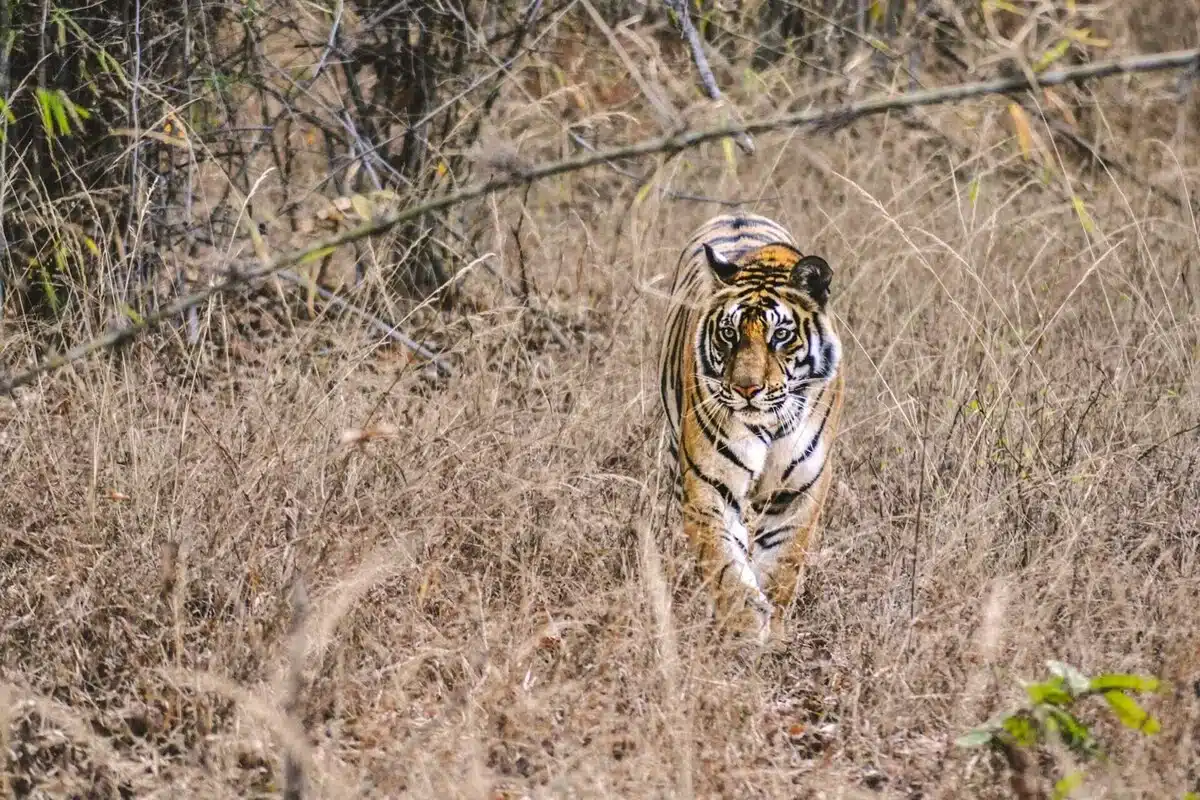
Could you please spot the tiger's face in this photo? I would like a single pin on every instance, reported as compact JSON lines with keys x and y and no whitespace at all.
{"x":766,"y":338}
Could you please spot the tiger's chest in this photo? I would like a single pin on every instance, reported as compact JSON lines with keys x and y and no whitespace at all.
{"x":768,"y":460}
{"x":792,"y":460}
{"x":748,"y":450}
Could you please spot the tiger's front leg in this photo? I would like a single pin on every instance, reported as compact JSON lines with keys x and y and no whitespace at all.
{"x":787,"y":530}
{"x":788,"y":507}
{"x":713,"y":522}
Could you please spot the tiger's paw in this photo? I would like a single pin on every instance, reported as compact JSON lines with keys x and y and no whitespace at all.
{"x":777,"y":637}
{"x":747,"y":618}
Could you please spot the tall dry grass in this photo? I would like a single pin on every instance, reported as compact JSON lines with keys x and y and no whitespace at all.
{"x":498,"y":601}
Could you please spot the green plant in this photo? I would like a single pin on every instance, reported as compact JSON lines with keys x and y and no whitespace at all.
{"x":1050,"y":716}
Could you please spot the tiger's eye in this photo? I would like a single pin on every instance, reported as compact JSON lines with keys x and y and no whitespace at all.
{"x":782,"y":336}
{"x":728,"y":334}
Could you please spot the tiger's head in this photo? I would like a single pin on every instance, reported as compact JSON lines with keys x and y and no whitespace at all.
{"x":765,"y":336}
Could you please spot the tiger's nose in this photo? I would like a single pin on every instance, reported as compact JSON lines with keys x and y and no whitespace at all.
{"x":747,"y":391}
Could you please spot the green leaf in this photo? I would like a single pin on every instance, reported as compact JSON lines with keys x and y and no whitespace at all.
{"x":1085,"y":219}
{"x":132,"y":315}
{"x":730,"y":157}
{"x":316,"y":255}
{"x":77,"y":112}
{"x":1052,"y":692}
{"x":1053,"y":54}
{"x":1130,"y":713}
{"x":60,"y":113}
{"x":1073,"y":733}
{"x":47,"y":284}
{"x":1022,"y":729}
{"x":1076,"y":681}
{"x":1133,"y":683}
{"x":42,"y":97}
{"x":643,"y":192}
{"x":1067,"y":784}
{"x":975,"y":738}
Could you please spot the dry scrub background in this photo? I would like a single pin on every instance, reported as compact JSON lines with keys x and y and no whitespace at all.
{"x":498,"y":600}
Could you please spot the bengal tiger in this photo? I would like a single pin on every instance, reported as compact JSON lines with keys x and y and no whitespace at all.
{"x":752,"y":391}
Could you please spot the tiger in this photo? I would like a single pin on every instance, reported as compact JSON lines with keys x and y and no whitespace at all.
{"x":752,"y":389}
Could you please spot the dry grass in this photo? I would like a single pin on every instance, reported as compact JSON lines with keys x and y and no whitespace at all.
{"x":499,"y":604}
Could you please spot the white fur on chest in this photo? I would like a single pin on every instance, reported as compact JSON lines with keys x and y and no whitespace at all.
{"x":784,"y":451}
{"x":749,"y":449}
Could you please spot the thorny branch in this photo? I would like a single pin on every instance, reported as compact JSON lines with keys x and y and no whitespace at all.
{"x":670,"y":145}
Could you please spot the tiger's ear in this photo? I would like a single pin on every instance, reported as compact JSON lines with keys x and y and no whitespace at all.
{"x":812,"y":276}
{"x":722,"y":267}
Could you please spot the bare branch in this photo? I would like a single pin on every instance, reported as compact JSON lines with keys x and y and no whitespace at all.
{"x":666,"y":144}
{"x":667,"y":116}
{"x":388,"y":330}
{"x":709,"y":81}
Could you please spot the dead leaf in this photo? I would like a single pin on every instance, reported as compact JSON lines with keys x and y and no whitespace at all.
{"x":1024,"y":132}
{"x":362,"y":206}
{"x":358,"y":435}
{"x":1061,"y":106}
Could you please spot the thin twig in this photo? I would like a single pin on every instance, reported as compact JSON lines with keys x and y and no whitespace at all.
{"x":667,"y":115}
{"x":5,"y":27}
{"x":390,"y":331}
{"x":671,"y":194}
{"x":1175,"y":435}
{"x":666,"y":144}
{"x":680,"y":7}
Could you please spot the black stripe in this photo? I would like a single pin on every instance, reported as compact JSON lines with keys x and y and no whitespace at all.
{"x":811,"y":342}
{"x":790,"y":426}
{"x":776,"y":506}
{"x":734,"y":238}
{"x":729,"y":537}
{"x":707,"y":347}
{"x":798,"y":419}
{"x":781,"y":500}
{"x":816,"y":346}
{"x":810,"y":448}
{"x":721,"y":489}
{"x":763,"y":435}
{"x":761,"y":539}
{"x":806,"y":402}
{"x":717,"y":440}
{"x":735,"y":223}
